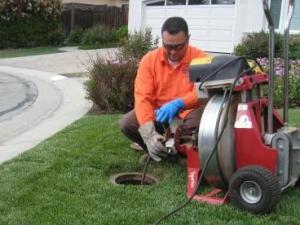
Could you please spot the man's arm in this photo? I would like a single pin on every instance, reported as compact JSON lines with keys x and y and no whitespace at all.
{"x":187,"y":99}
{"x":144,"y":109}
{"x":144,"y":92}
{"x":190,"y":99}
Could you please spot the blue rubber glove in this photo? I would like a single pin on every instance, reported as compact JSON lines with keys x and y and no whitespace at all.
{"x":169,"y":110}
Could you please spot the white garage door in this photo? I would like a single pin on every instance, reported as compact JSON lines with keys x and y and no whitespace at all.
{"x":211,"y":25}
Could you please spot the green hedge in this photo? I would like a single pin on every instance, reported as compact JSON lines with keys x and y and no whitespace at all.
{"x":33,"y":23}
{"x":98,"y":36}
{"x":75,"y":36}
{"x":255,"y":45}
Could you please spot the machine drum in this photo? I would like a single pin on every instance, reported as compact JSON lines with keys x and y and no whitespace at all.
{"x":254,"y":189}
{"x":222,"y":163}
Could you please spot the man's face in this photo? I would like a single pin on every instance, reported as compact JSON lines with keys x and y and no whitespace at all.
{"x":175,"y":45}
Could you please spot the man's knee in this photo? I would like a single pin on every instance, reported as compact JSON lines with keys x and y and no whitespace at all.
{"x":128,"y":123}
{"x":123,"y":124}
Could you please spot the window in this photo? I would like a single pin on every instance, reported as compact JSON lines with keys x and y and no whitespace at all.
{"x":275,"y":12}
{"x":223,"y":2}
{"x":176,"y":2}
{"x":192,"y":2}
{"x":198,"y":2}
{"x":161,"y":2}
{"x":295,"y":23}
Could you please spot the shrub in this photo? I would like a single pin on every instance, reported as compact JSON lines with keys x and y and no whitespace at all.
{"x":30,"y":23}
{"x":98,"y":36}
{"x":122,"y":33}
{"x":138,"y":44}
{"x":256,"y":45}
{"x":112,"y":80}
{"x":294,"y":46}
{"x":111,"y":84}
{"x":75,"y":36}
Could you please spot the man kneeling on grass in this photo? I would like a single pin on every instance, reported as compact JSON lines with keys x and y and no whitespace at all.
{"x":163,"y":90}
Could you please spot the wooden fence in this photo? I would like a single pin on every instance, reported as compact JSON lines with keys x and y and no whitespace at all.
{"x":85,"y":16}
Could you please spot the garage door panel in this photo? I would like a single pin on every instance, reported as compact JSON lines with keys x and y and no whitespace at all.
{"x":212,"y":46}
{"x":175,"y":12}
{"x":156,"y":33}
{"x":198,"y":23}
{"x":210,"y":26}
{"x":222,"y":12}
{"x":199,"y":34}
{"x":198,"y":13}
{"x":221,"y":23}
{"x":220,"y":35}
{"x":200,"y":44}
{"x":221,"y":45}
{"x":153,"y":12}
{"x":155,"y":22}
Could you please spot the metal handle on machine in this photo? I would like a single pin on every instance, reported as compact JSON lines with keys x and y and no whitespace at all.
{"x":286,"y":61}
{"x":271,"y":65}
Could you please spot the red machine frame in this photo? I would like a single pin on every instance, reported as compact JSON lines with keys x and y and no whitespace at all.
{"x":256,"y":153}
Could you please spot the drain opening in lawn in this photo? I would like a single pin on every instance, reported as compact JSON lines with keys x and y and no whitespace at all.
{"x":133,"y":178}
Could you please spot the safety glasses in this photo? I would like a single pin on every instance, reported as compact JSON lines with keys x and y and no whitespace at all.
{"x":177,"y":47}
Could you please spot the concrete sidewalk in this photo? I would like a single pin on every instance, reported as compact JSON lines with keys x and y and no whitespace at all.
{"x":58,"y":102}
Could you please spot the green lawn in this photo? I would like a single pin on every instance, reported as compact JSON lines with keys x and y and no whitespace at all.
{"x":65,"y":180}
{"x":10,"y":53}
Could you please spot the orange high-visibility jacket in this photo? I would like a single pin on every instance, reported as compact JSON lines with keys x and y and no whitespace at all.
{"x":157,"y":83}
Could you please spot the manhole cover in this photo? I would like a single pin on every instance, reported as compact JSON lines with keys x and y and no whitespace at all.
{"x":133,"y":178}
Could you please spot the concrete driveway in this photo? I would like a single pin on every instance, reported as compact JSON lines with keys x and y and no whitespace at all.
{"x":36,"y":101}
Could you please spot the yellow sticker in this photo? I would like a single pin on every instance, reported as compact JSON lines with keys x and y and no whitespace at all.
{"x":256,"y":68}
{"x":202,"y":60}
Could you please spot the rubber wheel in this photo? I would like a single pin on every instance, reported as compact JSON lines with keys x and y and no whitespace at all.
{"x":254,"y":189}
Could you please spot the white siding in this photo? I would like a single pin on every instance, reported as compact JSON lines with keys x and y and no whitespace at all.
{"x":249,"y":17}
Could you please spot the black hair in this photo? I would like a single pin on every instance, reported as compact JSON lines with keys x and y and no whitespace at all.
{"x":174,"y":25}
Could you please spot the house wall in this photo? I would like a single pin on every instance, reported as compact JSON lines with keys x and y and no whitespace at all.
{"x":135,"y":16}
{"x":208,"y":29}
{"x":295,"y":23}
{"x":248,"y":17}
